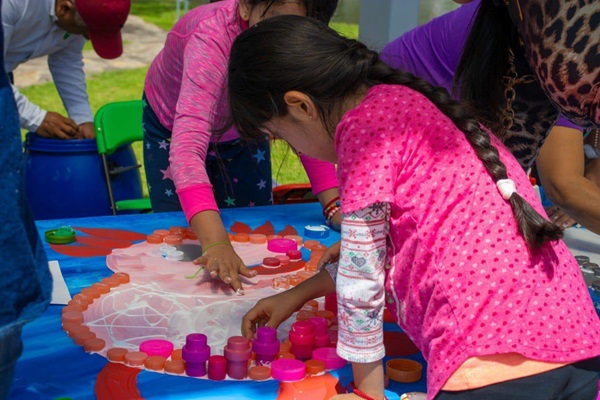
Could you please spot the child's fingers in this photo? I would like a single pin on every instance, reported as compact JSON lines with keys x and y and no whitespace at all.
{"x":247,"y":272}
{"x":233,"y":278}
{"x":249,"y":322}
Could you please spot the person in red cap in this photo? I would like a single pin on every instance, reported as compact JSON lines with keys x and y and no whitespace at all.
{"x":58,"y":29}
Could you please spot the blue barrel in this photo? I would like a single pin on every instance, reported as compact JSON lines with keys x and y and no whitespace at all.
{"x":65,"y":178}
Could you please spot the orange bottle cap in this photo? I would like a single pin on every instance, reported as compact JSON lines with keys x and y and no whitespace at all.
{"x":175,"y":366}
{"x":259,"y":373}
{"x":258,"y":238}
{"x":154,"y":239}
{"x":241,"y":237}
{"x":95,"y":344}
{"x":72,"y":316}
{"x":281,"y":355}
{"x":314,"y":367}
{"x":155,"y":363}
{"x":176,"y":354}
{"x":116,"y":354}
{"x":81,"y":336}
{"x":135,"y":358}
{"x":403,"y":370}
{"x":122,"y":277}
{"x":103,"y":288}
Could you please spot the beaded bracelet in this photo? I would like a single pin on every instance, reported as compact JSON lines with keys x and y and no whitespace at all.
{"x":332,"y":212}
{"x":360,"y":394}
{"x":213,"y":245}
{"x":335,"y":206}
{"x":331,"y":204}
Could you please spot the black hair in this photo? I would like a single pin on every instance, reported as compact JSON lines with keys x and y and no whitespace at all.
{"x":321,"y":10}
{"x":295,"y":53}
{"x":484,"y":63}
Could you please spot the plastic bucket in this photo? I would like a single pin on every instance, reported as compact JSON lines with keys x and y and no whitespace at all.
{"x":65,"y":178}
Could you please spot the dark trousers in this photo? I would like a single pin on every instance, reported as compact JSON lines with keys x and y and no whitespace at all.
{"x":578,"y":381}
{"x":240,"y":173}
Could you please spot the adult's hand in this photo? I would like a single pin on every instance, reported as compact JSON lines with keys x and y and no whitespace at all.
{"x":57,"y":126}
{"x":86,"y":131}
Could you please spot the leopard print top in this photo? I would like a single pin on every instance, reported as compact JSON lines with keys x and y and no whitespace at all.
{"x":562,"y":44}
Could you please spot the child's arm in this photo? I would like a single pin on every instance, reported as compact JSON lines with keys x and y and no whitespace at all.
{"x":361,"y":296}
{"x":272,"y":311}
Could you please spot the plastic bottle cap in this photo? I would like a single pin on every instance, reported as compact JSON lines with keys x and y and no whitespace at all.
{"x":176,"y":354}
{"x":217,"y":368}
{"x":62,"y":235}
{"x":116,"y":354}
{"x":241,"y":237}
{"x":294,"y":255}
{"x":403,"y":370}
{"x":175,"y":366}
{"x":266,"y":342}
{"x":314,"y":367}
{"x":271,"y":262}
{"x":288,"y":370}
{"x":310,"y":244}
{"x":95,"y":344}
{"x":72,"y":316}
{"x":121,"y":276}
{"x":155,"y":363}
{"x":157,"y":347}
{"x":258,"y":238}
{"x":135,"y":358}
{"x":178,"y":230}
{"x":162,"y":232}
{"x":190,"y":234}
{"x":101,"y":287}
{"x":285,"y":260}
{"x":175,"y":255}
{"x":80,"y":337}
{"x":154,"y":239}
{"x":302,"y":333}
{"x":329,"y":356}
{"x":259,"y":373}
{"x":588,"y":267}
{"x":582,"y":259}
{"x":195,"y":348}
{"x":281,"y":246}
{"x":237,"y":349}
{"x":165,"y":249}
{"x":296,"y":238}
{"x":316,"y":231}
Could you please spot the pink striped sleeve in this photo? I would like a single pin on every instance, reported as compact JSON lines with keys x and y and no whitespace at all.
{"x":204,"y":74}
{"x":360,"y":284}
{"x":322,"y":174}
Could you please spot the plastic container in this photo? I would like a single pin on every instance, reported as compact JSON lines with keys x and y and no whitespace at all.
{"x":65,"y":178}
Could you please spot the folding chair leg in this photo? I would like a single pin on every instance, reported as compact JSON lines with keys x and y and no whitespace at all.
{"x":113,"y":206}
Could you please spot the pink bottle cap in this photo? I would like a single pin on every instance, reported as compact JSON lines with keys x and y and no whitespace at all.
{"x":321,"y":333}
{"x":271,"y":262}
{"x":294,"y":255}
{"x":288,"y":370}
{"x":237,"y":349}
{"x":302,"y":333}
{"x":217,"y":368}
{"x":157,"y":347}
{"x":329,"y":356}
{"x":281,"y":245}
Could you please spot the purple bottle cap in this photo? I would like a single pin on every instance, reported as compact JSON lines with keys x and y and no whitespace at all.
{"x":195,"y":348}
{"x":288,"y":370}
{"x":329,"y":356}
{"x":266,"y":341}
{"x":237,"y":349}
{"x":157,"y":347}
{"x":281,"y":245}
{"x":217,"y":368}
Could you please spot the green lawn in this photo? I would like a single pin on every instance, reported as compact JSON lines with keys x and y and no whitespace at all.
{"x":128,"y":84}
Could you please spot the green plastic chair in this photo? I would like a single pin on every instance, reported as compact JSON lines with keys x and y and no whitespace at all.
{"x":118,"y":124}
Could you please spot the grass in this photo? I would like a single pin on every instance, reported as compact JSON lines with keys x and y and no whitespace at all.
{"x":128,"y":84}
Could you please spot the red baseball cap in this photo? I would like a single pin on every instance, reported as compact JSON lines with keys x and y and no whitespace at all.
{"x":105,"y":18}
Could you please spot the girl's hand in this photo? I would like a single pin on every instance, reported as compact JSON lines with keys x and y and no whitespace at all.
{"x":331,"y":255}
{"x":270,"y":311}
{"x":222,"y":261}
{"x":336,"y":221}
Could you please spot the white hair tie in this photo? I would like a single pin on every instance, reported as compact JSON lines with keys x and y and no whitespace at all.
{"x":506,"y":187}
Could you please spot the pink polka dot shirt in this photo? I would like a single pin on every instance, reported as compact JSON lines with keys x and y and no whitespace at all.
{"x":462,"y":281}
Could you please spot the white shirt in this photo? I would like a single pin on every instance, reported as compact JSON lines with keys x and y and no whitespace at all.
{"x":30,"y":31}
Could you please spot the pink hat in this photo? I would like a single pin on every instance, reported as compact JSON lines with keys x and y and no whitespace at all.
{"x":105,"y":19}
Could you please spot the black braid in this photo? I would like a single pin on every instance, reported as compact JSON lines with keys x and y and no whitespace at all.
{"x":535,"y":229}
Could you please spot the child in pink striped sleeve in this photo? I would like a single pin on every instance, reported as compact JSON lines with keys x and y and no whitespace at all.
{"x":188,"y":164}
{"x":440,"y":224}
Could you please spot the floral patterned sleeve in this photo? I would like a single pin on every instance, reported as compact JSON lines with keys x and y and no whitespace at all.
{"x":360,"y":284}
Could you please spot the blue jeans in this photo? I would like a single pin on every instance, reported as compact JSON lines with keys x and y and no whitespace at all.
{"x":10,"y":351}
{"x":240,"y":173}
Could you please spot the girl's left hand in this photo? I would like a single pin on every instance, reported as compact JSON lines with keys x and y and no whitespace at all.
{"x":336,"y":221}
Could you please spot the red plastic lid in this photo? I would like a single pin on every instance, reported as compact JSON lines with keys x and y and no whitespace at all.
{"x":271,"y":262}
{"x":294,"y":255}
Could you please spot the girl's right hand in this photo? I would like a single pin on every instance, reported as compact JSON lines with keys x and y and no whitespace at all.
{"x":331,"y":255}
{"x":270,"y":311}
{"x":222,"y":261}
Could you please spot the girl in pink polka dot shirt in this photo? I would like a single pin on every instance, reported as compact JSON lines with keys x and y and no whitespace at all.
{"x":440,"y":224}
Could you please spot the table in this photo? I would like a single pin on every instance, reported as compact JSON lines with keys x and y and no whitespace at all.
{"x":53,"y":367}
